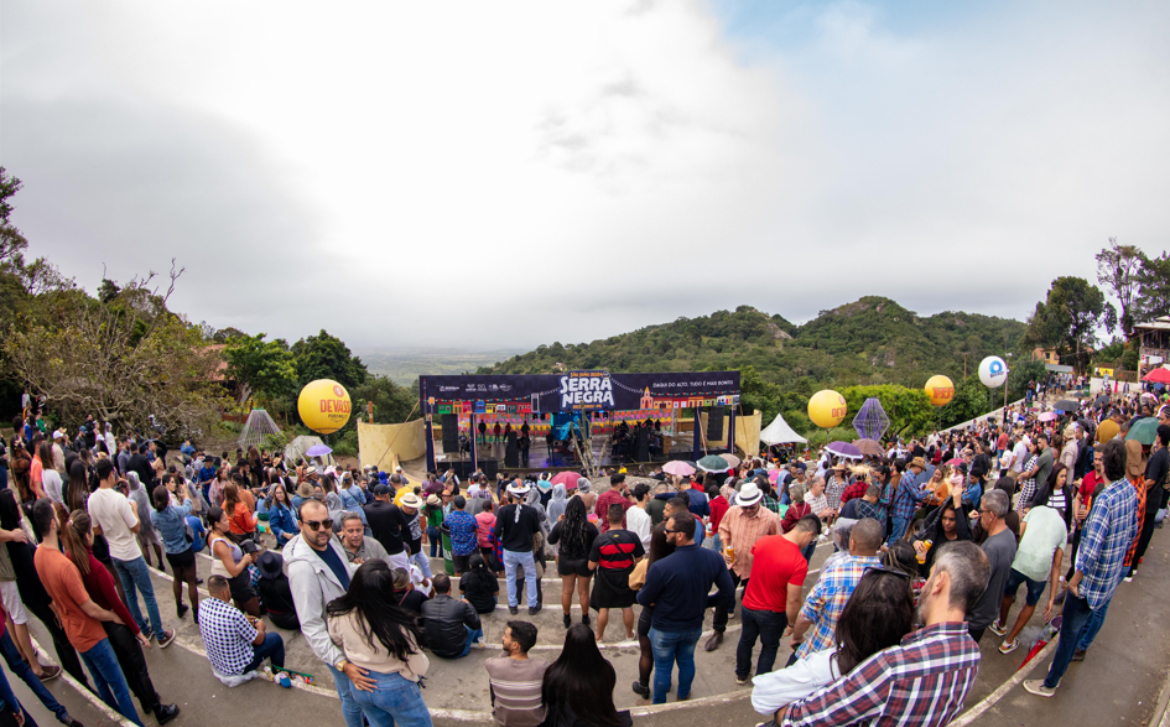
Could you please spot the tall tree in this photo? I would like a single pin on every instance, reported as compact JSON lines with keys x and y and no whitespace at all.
{"x":326,"y":357}
{"x":1067,"y":319}
{"x":1153,"y":296}
{"x":1118,"y":270}
{"x":263,"y":367}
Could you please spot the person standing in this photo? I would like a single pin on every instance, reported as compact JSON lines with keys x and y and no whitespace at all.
{"x":1157,"y":475}
{"x":1000,"y":547}
{"x":637,"y":518}
{"x":389,"y":526}
{"x":118,"y":519}
{"x":410,"y":506}
{"x":617,"y":494}
{"x":318,"y":573}
{"x":464,"y":530}
{"x":741,"y":527}
{"x":679,"y":586}
{"x":514,"y":680}
{"x":907,"y":497}
{"x":613,"y":556}
{"x":1114,"y":521}
{"x":771,"y":600}
{"x":516,"y":525}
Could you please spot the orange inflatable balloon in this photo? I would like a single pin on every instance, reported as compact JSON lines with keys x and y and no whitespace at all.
{"x":940,"y":389}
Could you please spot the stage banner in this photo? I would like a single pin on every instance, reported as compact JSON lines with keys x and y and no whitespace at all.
{"x":580,"y":391}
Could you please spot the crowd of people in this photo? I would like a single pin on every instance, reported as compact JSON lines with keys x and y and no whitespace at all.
{"x":931,"y":542}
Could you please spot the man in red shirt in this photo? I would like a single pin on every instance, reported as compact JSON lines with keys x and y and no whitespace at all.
{"x":617,"y":494}
{"x":772,"y":598}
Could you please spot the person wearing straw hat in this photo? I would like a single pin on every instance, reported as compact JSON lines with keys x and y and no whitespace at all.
{"x":410,"y":506}
{"x":739,"y":529}
{"x":516,"y":525}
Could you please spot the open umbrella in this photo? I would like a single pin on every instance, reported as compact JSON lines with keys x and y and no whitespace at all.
{"x":844,"y":449}
{"x":954,"y":461}
{"x":869,"y":447}
{"x":568,"y":479}
{"x":732,"y":460}
{"x":318,"y":450}
{"x":1160,"y":375}
{"x":1102,"y":400}
{"x":679,"y":468}
{"x":1144,"y":430}
{"x":713,"y":463}
{"x":1067,"y":405}
{"x":1048,"y":416}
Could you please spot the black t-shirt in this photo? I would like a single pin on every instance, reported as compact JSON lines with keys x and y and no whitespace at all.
{"x":516,"y":535}
{"x":572,"y":551}
{"x":615,"y":550}
{"x":412,"y":601}
{"x":388,"y":525}
{"x":1157,"y":470}
{"x":480,"y":592}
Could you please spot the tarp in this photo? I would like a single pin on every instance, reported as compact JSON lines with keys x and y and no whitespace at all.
{"x":388,"y":445}
{"x":296,"y":449}
{"x":778,"y":432}
{"x":747,"y":432}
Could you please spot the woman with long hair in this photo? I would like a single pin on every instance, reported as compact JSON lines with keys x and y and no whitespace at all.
{"x":1028,"y":471}
{"x":255,"y":467}
{"x":578,"y":687}
{"x":1059,"y":494}
{"x":281,"y":520}
{"x":215,"y":492}
{"x":479,"y":586}
{"x":231,"y":562}
{"x":50,"y":479}
{"x":574,"y":536}
{"x":171,"y":523}
{"x":125,"y":638}
{"x":241,"y":522}
{"x":945,"y":525}
{"x":659,"y":548}
{"x":379,"y":636}
{"x":877,"y":616}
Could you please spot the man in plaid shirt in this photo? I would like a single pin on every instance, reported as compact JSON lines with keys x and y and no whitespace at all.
{"x":1114,"y":521}
{"x":925,"y":680}
{"x":908,"y":496}
{"x":828,"y":597}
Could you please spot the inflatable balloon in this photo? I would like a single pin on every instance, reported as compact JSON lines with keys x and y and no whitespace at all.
{"x":827,"y":408}
{"x":993,"y":372}
{"x":324,"y":406}
{"x":940,"y":389}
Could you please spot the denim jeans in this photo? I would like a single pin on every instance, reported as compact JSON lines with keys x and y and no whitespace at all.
{"x":513,"y":559}
{"x":395,"y":701}
{"x":473,"y":635}
{"x":273,"y":646}
{"x":769,"y":627}
{"x":18,"y":666}
{"x":898,"y":529}
{"x":351,"y":711}
{"x":670,"y":647}
{"x":1096,"y":621}
{"x":435,"y":537}
{"x":109,"y":681}
{"x":423,"y":562}
{"x":1076,"y":619}
{"x":809,"y":550}
{"x":135,"y":577}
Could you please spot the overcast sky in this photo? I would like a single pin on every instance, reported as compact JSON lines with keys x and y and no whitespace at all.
{"x":508,"y":174}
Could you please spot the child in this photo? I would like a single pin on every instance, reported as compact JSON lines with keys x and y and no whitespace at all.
{"x":479,"y":586}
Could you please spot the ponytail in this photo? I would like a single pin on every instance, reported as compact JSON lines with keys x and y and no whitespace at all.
{"x":73,"y":536}
{"x":161,"y":497}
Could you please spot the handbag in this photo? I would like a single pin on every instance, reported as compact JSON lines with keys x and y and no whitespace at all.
{"x":638,"y":575}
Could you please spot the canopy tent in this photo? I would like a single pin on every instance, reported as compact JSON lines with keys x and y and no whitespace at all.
{"x":299,"y":448}
{"x":259,"y":425}
{"x":778,"y":432}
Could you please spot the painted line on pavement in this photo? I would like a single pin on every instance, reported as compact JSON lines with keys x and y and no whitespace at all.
{"x":93,"y":699}
{"x":990,"y":700}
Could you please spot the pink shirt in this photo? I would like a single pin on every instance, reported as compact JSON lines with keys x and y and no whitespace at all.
{"x":486,"y":521}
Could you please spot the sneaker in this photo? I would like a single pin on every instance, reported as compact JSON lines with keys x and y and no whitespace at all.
{"x":513,"y":610}
{"x":1008,"y":647}
{"x":478,"y":645}
{"x":1036,"y":686}
{"x":166,"y":712}
{"x":1129,"y":577}
{"x":1078,"y":655}
{"x":997,"y":629}
{"x":568,"y":620}
{"x":741,"y":680}
{"x":166,"y":639}
{"x":641,"y":690}
{"x":533,"y":610}
{"x":51,"y":672}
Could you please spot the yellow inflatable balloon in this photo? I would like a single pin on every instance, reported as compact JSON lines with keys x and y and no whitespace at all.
{"x":324,"y":406}
{"x":827,"y":408}
{"x":940,"y":389}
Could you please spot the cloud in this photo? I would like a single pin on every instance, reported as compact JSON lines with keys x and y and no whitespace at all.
{"x":506,"y":175}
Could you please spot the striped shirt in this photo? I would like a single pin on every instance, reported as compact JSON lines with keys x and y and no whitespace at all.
{"x":515,"y":689}
{"x":738,"y":531}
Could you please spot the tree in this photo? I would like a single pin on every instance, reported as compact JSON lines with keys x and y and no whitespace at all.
{"x":1067,"y":320}
{"x":1153,"y":296}
{"x":264,"y":367}
{"x":1118,"y":270}
{"x":325,"y":357}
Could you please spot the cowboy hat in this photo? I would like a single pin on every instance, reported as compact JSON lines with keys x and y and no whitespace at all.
{"x":518,"y":488}
{"x":917,"y":462}
{"x":433,"y":500}
{"x":749,"y":495}
{"x":411,"y":500}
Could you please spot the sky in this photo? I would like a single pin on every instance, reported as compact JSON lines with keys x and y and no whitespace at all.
{"x":471,"y":174}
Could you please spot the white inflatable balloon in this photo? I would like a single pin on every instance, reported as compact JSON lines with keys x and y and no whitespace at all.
{"x":993,"y":372}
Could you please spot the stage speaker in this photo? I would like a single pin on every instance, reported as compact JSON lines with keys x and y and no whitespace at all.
{"x":450,"y":426}
{"x":715,"y":423}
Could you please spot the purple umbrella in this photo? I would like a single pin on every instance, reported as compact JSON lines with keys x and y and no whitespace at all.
{"x":318,"y":450}
{"x":844,"y":449}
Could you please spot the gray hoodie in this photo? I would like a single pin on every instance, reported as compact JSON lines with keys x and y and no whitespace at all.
{"x":314,"y":585}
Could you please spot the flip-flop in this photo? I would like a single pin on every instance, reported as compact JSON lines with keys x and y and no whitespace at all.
{"x":1008,"y":647}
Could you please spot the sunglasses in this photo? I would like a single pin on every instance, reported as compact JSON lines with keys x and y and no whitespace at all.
{"x":674,"y":531}
{"x":316,"y":525}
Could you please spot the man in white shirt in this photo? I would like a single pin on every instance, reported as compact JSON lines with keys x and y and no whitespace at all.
{"x":117,"y":518}
{"x":1019,"y":454}
{"x":637,"y":519}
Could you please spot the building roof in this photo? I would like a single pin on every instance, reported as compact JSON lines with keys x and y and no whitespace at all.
{"x":1158,"y":324}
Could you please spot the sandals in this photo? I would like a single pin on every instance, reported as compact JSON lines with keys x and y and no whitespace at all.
{"x":1008,"y":647}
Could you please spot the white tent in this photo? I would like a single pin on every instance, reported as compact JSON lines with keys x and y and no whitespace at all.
{"x":296,"y":450}
{"x":778,"y":432}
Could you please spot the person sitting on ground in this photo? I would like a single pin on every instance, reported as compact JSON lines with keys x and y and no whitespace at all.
{"x":480,"y":587}
{"x":578,"y":687}
{"x":275,"y":594}
{"x":925,"y":679}
{"x":452,"y":627}
{"x":877,"y":616}
{"x":409,"y":598}
{"x":236,"y":644}
{"x":380,"y":639}
{"x":514,"y":680}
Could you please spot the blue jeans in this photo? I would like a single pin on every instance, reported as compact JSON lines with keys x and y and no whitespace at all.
{"x":109,"y":680}
{"x":435,"y":537}
{"x":1096,"y":621}
{"x":526,"y":559}
{"x":809,"y":550}
{"x":351,"y":711}
{"x":424,"y":564}
{"x":716,"y":543}
{"x":135,"y":577}
{"x":273,"y":647}
{"x":670,"y":647}
{"x":769,"y":627}
{"x":473,"y":635}
{"x":898,"y":529}
{"x":1076,"y":619}
{"x":395,"y":701}
{"x":18,"y":666}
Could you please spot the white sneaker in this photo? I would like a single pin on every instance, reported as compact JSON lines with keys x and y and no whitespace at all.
{"x":1036,"y":686}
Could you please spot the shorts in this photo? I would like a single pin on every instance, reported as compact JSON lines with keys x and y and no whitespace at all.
{"x":579,"y":567}
{"x":185,"y":559}
{"x":1017,"y":579}
{"x":462,"y":563}
{"x":12,"y":603}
